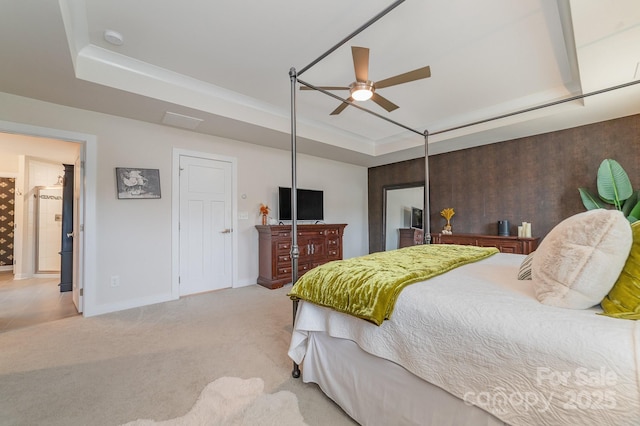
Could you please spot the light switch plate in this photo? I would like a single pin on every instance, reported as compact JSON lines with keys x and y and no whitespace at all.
{"x":243,"y":215}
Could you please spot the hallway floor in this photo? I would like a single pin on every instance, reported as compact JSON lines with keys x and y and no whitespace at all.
{"x":32,"y":301}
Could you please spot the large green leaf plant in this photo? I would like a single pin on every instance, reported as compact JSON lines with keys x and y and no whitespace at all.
{"x":614,"y":189}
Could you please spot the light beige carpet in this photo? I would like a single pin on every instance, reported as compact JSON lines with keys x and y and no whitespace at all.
{"x":152,"y":362}
{"x":231,"y":401}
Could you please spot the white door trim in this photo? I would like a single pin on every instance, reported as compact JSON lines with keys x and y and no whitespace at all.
{"x":175,"y":214}
{"x":88,"y":154}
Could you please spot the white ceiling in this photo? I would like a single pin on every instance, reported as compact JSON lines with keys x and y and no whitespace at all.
{"x":227,"y":64}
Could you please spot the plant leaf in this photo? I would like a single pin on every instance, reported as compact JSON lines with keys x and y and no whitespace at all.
{"x":630,"y":203}
{"x":613,"y":182}
{"x":589,"y":200}
{"x":635,"y":212}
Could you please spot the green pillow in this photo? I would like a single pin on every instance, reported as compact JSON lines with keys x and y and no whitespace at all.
{"x":623,"y":300}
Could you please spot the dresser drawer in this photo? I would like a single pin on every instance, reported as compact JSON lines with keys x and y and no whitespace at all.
{"x":333,"y":232}
{"x":283,"y":271}
{"x":283,"y":247}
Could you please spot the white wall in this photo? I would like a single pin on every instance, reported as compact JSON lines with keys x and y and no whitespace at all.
{"x":8,"y":164}
{"x":133,"y":237}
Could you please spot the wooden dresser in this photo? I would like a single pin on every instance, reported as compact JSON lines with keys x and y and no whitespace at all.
{"x":317,"y":244}
{"x":410,"y":237}
{"x":506,"y":244}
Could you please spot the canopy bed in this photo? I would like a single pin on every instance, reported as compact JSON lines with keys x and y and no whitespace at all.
{"x":455,"y":336}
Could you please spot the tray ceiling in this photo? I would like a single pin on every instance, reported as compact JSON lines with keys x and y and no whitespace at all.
{"x":227,"y":64}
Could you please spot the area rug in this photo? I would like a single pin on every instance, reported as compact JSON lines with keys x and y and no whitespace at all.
{"x":237,"y":402}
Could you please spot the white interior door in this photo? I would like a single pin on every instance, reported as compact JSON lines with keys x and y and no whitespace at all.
{"x":78,"y":235}
{"x":205,"y":225}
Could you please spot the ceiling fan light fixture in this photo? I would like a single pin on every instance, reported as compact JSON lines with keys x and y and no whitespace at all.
{"x":362,"y":91}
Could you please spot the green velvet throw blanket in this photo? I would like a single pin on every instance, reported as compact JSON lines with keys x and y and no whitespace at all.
{"x":368,"y":286}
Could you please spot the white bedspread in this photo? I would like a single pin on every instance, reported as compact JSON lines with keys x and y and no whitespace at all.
{"x":480,"y":334}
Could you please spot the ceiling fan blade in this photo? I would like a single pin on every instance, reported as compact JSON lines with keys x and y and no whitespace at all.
{"x":424,"y":72}
{"x":384,"y":102}
{"x":325,"y":88}
{"x":340,"y":108}
{"x":361,"y":62}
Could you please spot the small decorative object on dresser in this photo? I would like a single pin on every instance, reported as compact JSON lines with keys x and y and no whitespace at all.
{"x":317,"y":244}
{"x":264,"y":212}
{"x":524,"y":230}
{"x":503,"y":228}
{"x":447,"y":214}
{"x":506,"y":244}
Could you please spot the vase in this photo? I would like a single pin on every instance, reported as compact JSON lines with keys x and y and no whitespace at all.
{"x":264,"y":219}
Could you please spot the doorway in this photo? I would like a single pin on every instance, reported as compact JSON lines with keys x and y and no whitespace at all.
{"x":31,"y":141}
{"x":206,"y":238}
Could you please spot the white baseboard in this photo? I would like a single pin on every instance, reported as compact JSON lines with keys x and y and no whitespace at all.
{"x":46,"y":275}
{"x":6,"y":268}
{"x":136,"y":303}
{"x":127,"y":304}
{"x":244,"y":283}
{"x":22,"y":276}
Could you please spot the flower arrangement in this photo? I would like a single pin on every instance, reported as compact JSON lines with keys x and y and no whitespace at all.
{"x":264,"y":212}
{"x":447,"y":214}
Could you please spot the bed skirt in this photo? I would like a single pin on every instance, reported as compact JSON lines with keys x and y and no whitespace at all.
{"x":374,"y":391}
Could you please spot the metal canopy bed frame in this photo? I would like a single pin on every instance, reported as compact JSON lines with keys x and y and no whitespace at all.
{"x":294,"y":76}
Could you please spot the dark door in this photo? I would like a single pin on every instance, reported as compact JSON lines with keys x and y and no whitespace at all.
{"x":66,"y":251}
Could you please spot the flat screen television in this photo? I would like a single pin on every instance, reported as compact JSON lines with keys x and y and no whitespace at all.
{"x":310,"y":204}
{"x":416,"y":218}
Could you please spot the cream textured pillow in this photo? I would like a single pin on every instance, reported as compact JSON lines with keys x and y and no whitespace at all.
{"x":578,"y":262}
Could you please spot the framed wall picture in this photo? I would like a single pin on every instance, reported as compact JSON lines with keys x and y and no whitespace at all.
{"x":136,"y":183}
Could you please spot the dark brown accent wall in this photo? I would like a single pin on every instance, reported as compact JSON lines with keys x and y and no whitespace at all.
{"x":533,"y":179}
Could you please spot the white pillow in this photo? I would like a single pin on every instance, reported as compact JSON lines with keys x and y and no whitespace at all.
{"x":578,"y":262}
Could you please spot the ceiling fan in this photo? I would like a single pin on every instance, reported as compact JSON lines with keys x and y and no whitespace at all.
{"x":363,"y":89}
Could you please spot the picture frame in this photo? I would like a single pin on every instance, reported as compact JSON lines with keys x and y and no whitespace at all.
{"x":137,"y":183}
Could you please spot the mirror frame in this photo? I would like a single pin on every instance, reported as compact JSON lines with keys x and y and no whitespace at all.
{"x":386,"y":188}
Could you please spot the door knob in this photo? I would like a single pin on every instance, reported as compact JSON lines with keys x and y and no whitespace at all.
{"x":226,"y":231}
{"x":69,"y":234}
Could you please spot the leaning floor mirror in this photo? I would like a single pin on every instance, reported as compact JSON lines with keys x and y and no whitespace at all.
{"x":400,"y":203}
